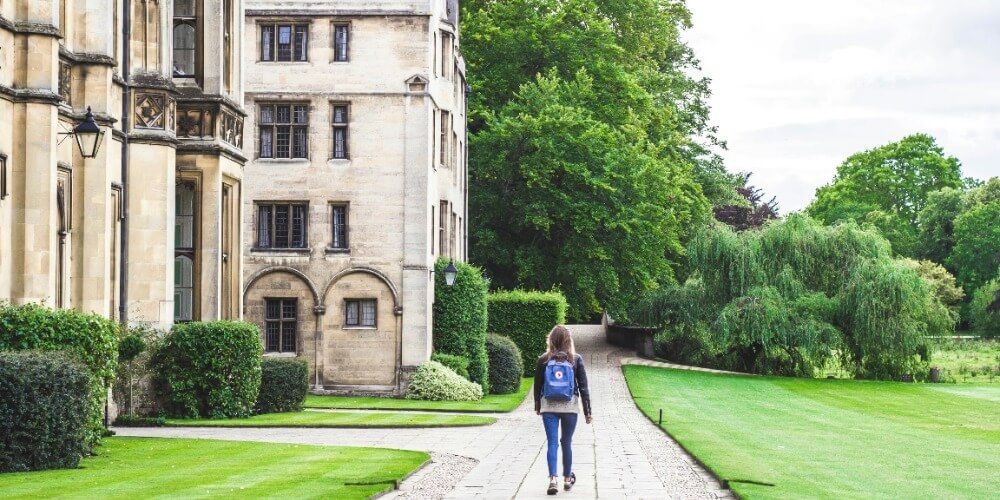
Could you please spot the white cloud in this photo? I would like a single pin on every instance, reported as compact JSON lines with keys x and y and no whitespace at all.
{"x":798,"y":86}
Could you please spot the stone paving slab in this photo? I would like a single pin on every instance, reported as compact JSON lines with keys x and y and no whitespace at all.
{"x":621,"y":455}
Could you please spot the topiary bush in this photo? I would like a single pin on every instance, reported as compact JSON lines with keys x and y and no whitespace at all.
{"x":132,"y":387}
{"x":526,"y":317}
{"x":506,"y":364}
{"x":457,"y":364}
{"x":284,"y":383}
{"x":45,"y":398}
{"x":460,"y":318}
{"x":985,"y":309}
{"x":208,"y":369}
{"x":90,"y":338}
{"x":435,"y":382}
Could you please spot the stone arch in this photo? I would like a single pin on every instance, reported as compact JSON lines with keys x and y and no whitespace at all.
{"x":369,"y":270}
{"x":282,"y":269}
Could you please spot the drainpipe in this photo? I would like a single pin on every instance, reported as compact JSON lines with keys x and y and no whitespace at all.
{"x":126,"y":98}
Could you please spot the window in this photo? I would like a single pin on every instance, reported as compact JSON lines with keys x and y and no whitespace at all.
{"x":280,"y":324}
{"x":284,"y":42}
{"x":185,"y":38}
{"x":284,"y":131}
{"x":452,"y":235}
{"x":184,"y":252}
{"x":340,"y":122}
{"x":341,"y":41}
{"x":443,"y":141}
{"x":339,"y":221}
{"x":443,"y":228}
{"x":432,"y":230}
{"x":360,"y":313}
{"x":281,"y":225}
{"x":447,"y":39}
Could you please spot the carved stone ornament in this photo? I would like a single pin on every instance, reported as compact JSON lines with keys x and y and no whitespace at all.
{"x":231,"y":129}
{"x":150,"y":110}
{"x":66,"y":81}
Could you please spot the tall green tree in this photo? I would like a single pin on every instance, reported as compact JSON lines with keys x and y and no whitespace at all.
{"x":895,"y":179}
{"x":588,"y":140}
{"x":936,"y":223}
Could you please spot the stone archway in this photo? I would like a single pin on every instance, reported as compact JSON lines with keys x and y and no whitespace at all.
{"x":360,"y":331}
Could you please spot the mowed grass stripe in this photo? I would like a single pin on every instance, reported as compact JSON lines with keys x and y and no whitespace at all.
{"x":191,"y":468}
{"x":334,"y":419}
{"x":827,"y":438}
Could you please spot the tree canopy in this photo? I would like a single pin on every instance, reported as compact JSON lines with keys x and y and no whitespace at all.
{"x":895,"y":179}
{"x":588,"y":143}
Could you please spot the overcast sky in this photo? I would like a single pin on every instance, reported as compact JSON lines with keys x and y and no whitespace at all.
{"x":800,"y":85}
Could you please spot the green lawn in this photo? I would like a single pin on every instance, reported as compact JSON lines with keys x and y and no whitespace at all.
{"x":338,"y":419}
{"x":186,"y":468}
{"x":777,"y":437}
{"x":967,"y":360}
{"x":490,"y":403}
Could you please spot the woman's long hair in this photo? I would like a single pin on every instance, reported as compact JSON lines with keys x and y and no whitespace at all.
{"x":560,"y":342}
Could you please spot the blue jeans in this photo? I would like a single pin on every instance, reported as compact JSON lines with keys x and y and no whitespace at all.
{"x":552,"y":421}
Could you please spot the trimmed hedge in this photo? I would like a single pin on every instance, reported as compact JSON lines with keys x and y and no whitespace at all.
{"x":208,"y":369}
{"x":526,"y":317}
{"x":44,"y":409}
{"x":506,"y":365}
{"x":90,"y":338}
{"x":435,"y":382}
{"x":457,"y":364}
{"x":460,"y":318}
{"x":284,"y":383}
{"x":984,"y":320}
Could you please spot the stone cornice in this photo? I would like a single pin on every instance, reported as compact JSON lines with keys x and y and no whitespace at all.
{"x":30,"y":28}
{"x":210,"y":148}
{"x":30,"y":95}
{"x":87,"y":58}
{"x":212,"y":99}
{"x":158,"y":137}
{"x":281,"y":13}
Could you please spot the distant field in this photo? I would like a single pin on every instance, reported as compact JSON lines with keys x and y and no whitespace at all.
{"x":967,"y":360}
{"x":772,"y":437}
{"x":129,"y":468}
{"x":489,"y":404}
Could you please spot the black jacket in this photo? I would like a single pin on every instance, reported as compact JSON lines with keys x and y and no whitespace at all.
{"x":580,"y":374}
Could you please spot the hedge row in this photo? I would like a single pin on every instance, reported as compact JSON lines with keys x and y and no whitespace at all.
{"x":90,"y":338}
{"x":44,"y":404}
{"x":460,"y":318}
{"x":506,"y":365}
{"x":209,"y":369}
{"x":284,"y":383}
{"x":526,"y":318}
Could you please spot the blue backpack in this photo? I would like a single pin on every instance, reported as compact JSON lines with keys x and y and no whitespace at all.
{"x":560,"y":381}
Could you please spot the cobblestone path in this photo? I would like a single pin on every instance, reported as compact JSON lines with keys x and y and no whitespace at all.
{"x":621,"y":455}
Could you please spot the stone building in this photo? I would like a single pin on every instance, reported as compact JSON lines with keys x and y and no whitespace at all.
{"x":152,"y":220}
{"x":356,"y":182}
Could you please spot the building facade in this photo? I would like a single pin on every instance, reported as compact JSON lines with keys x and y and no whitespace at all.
{"x":356,"y":182}
{"x":152,"y":221}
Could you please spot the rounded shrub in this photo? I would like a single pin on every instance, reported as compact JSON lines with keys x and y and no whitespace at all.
{"x":506,"y":364}
{"x":209,"y":369}
{"x":284,"y":383}
{"x":435,"y":382}
{"x":985,"y":309}
{"x":457,"y":364}
{"x":526,"y":317}
{"x":90,"y":338}
{"x":44,"y":410}
{"x":460,"y":318}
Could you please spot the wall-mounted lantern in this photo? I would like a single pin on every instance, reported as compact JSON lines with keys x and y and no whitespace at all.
{"x":450,"y":273}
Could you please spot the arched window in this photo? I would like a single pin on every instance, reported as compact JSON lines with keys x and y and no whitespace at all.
{"x":185,"y":38}
{"x":185,"y":234}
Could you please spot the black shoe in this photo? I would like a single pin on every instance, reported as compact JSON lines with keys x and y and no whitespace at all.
{"x":570,"y":481}
{"x":553,"y":486}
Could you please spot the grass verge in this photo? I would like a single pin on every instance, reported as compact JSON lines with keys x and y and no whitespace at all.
{"x":319,"y":419}
{"x":184,"y":468}
{"x":772,"y":437}
{"x":491,"y":403}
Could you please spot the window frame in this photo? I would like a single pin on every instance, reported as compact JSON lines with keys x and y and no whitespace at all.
{"x":294,"y":26}
{"x":337,"y":25}
{"x":189,"y":252}
{"x":360,"y":325}
{"x":272,"y":226}
{"x":346,"y":244}
{"x":282,"y":321}
{"x":345,"y":126}
{"x":272,"y":128}
{"x":195,"y":23}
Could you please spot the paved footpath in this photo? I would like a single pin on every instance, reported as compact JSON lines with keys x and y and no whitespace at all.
{"x":621,"y":455}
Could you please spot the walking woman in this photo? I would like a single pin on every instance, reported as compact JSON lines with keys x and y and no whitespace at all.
{"x":560,"y":387}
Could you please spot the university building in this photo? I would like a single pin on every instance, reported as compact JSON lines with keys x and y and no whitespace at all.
{"x":144,"y":227}
{"x":356,"y":181}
